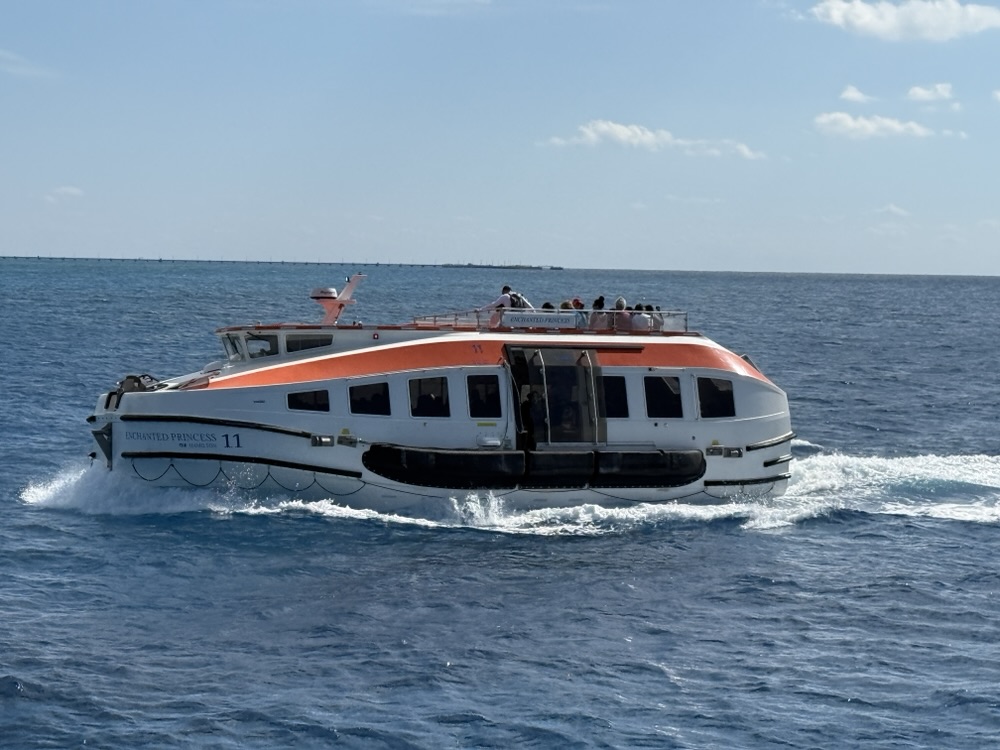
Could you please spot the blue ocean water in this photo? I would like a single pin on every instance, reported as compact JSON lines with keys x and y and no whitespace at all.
{"x":859,"y":610}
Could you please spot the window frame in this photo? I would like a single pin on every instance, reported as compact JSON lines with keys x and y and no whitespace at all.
{"x":677,"y":400}
{"x":417,"y":393}
{"x":493,"y":397}
{"x":294,"y":338}
{"x":386,"y":391}
{"x":727,"y":396}
{"x":320,"y":405}
{"x":620,"y":398}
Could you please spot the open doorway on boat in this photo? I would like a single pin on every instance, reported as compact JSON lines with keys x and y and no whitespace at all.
{"x":556,"y":389}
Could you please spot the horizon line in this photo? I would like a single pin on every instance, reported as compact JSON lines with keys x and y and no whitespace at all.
{"x":482,"y":266}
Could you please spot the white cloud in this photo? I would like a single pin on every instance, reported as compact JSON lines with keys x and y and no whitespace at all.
{"x":596,"y":132}
{"x":893,"y":209}
{"x":933,"y":20}
{"x":853,"y":94}
{"x":65,"y":191}
{"x":16,"y":65}
{"x":843,"y":124}
{"x":936,"y":93}
{"x":996,"y":95}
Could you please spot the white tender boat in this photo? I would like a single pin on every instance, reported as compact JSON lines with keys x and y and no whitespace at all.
{"x":538,"y":408}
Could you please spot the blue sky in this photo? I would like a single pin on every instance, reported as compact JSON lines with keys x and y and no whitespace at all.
{"x":747,"y":135}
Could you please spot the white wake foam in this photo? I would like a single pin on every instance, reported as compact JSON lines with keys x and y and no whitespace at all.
{"x":961,"y":488}
{"x":94,"y":490}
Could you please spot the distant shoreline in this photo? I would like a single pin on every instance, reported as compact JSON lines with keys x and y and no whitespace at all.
{"x":512,"y":266}
{"x":495,"y":266}
{"x":487,"y":266}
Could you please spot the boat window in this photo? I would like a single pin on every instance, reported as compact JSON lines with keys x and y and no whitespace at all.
{"x":663,"y":397}
{"x":232,"y":346}
{"x":298,"y":342}
{"x":484,"y":396}
{"x":262,"y":345}
{"x":371,"y":398}
{"x":614,"y":401}
{"x":429,"y":397}
{"x":309,"y":401}
{"x":715,"y":396}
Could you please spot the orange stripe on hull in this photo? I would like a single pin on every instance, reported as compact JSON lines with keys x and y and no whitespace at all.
{"x":478,"y":351}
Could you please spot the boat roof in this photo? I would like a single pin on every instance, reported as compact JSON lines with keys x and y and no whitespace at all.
{"x":494,"y":320}
{"x":282,"y":353}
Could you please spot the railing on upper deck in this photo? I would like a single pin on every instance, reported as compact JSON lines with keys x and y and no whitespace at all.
{"x":673,"y":321}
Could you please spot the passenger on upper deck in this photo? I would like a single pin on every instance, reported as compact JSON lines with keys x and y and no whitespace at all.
{"x":599,"y":319}
{"x":508,"y":298}
{"x":622,"y":316}
{"x":656,"y":315}
{"x":502,"y":301}
{"x":641,"y":320}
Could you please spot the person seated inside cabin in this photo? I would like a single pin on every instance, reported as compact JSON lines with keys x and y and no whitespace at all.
{"x":533,"y":419}
{"x":430,"y":405}
{"x":262,"y":345}
{"x":568,"y":426}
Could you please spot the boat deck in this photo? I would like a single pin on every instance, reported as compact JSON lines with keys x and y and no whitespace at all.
{"x":562,"y":321}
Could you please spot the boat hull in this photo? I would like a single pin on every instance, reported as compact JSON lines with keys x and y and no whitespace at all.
{"x":420,"y":481}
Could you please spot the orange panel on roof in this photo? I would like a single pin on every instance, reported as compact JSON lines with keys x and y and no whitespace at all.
{"x":479,"y":351}
{"x":680,"y":355}
{"x":378,"y":360}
